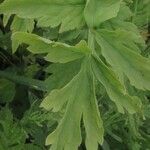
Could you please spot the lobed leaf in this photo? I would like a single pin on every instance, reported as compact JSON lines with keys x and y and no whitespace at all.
{"x":98,"y":11}
{"x":124,"y":57}
{"x":68,"y":13}
{"x":114,"y":88}
{"x":79,"y":98}
{"x":57,"y":52}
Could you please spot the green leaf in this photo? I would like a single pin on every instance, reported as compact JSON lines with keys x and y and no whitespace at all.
{"x":122,"y":21}
{"x":25,"y":25}
{"x":61,"y":74}
{"x":124,"y":12}
{"x":78,"y":97}
{"x":98,"y":11}
{"x":57,"y":52}
{"x":7,"y":91}
{"x":12,"y":77}
{"x":20,"y":24}
{"x":141,"y":15}
{"x":11,"y":133}
{"x":5,"y":19}
{"x":37,"y":43}
{"x":62,"y":53}
{"x":68,"y":13}
{"x":122,"y":54}
{"x":114,"y":88}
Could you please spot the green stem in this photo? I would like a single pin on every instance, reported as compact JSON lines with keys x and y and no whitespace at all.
{"x":135,"y":10}
{"x":91,"y":41}
{"x":33,"y":83}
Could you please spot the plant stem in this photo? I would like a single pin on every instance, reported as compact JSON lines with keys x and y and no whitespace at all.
{"x":33,"y":83}
{"x":135,"y":10}
{"x":91,"y":41}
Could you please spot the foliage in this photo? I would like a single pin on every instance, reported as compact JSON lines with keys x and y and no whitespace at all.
{"x":74,"y":74}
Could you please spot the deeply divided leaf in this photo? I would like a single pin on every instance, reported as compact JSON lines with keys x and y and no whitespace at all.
{"x":57,"y":52}
{"x":78,"y":96}
{"x":114,"y":88}
{"x":68,"y":13}
{"x":122,"y":55}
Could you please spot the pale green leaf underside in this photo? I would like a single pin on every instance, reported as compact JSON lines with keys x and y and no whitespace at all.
{"x":23,"y":25}
{"x":6,"y":19}
{"x":98,"y":11}
{"x":68,"y":13}
{"x":57,"y":52}
{"x":37,"y":44}
{"x":79,"y":98}
{"x":123,"y":57}
{"x":114,"y":88}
